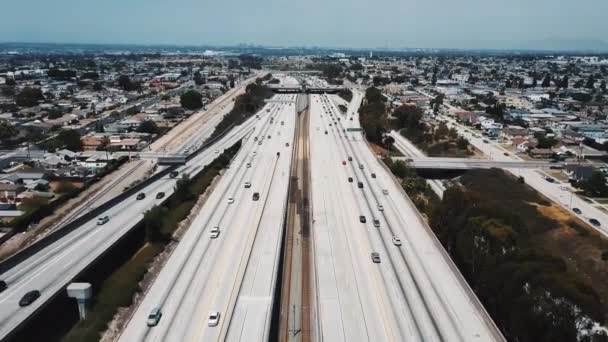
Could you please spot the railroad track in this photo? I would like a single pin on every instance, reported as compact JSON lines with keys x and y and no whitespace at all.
{"x":306,"y":241}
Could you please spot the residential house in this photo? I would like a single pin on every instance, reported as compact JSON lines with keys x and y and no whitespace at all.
{"x":541,"y":153}
{"x":514,"y":131}
{"x":9,"y":192}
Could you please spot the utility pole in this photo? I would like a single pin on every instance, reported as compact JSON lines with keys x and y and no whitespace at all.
{"x":294,"y":331}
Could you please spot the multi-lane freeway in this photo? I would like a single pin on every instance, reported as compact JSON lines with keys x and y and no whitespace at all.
{"x":51,"y":269}
{"x":235,"y":273}
{"x":379,"y":272}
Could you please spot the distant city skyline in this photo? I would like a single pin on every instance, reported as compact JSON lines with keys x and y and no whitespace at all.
{"x":466,"y":24}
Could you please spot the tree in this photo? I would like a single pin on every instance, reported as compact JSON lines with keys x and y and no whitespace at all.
{"x":7,"y":131}
{"x":453,"y":134}
{"x":10,"y":82}
{"x":603,"y":86}
{"x":165,"y":97}
{"x":545,"y":142}
{"x":90,"y":75}
{"x":61,"y":74}
{"x":191,"y":99}
{"x":65,"y":187}
{"x":198,"y":79}
{"x":29,"y":97}
{"x":596,"y":186}
{"x":442,"y":131}
{"x":153,"y":221}
{"x":590,"y":82}
{"x":401,"y":169}
{"x":125,"y":83}
{"x":565,"y":82}
{"x":437,"y":102}
{"x":70,"y":139}
{"x":388,"y":142}
{"x":104,"y":144}
{"x":462,"y":143}
{"x":148,"y":126}
{"x":408,"y":116}
{"x":546,"y":81}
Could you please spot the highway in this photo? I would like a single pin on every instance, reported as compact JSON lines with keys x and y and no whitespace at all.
{"x":415,"y":293}
{"x":236,"y":273}
{"x":51,"y":269}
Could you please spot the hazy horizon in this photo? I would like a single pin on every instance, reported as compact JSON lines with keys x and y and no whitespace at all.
{"x":392,"y":24}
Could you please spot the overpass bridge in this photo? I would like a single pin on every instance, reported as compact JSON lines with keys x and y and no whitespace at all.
{"x":162,"y":158}
{"x":292,"y":89}
{"x":440,"y":163}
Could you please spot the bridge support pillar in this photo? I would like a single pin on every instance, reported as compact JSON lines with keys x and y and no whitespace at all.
{"x":82,"y":292}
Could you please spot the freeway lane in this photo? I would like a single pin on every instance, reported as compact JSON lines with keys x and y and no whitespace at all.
{"x":54,"y":267}
{"x":234,"y":274}
{"x":415,"y":293}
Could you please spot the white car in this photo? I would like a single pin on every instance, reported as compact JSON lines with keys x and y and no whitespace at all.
{"x":396,"y":241}
{"x":380,"y":207}
{"x":248,"y":165}
{"x":217,"y":151}
{"x":103,"y":220}
{"x":247,"y":185}
{"x":255,"y":153}
{"x":230,"y":200}
{"x":154,"y":317}
{"x":215,"y":232}
{"x":214,"y":318}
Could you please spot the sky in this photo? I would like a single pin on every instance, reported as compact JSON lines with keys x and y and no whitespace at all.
{"x":461,"y":24}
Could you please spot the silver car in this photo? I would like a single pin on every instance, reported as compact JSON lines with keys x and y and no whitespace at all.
{"x":214,"y":318}
{"x":154,"y":317}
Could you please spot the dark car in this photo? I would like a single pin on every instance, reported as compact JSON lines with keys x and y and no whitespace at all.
{"x":350,"y":179}
{"x":577,"y":210}
{"x":29,"y":298}
{"x":373,"y":175}
{"x":375,"y":258}
{"x":173,"y":174}
{"x":362,"y":219}
{"x":550,"y":180}
{"x":325,"y":132}
{"x":595,"y":222}
{"x":360,"y":185}
{"x":256,"y":196}
{"x":160,"y":195}
{"x":3,"y":285}
{"x":141,"y":196}
{"x":350,"y":158}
